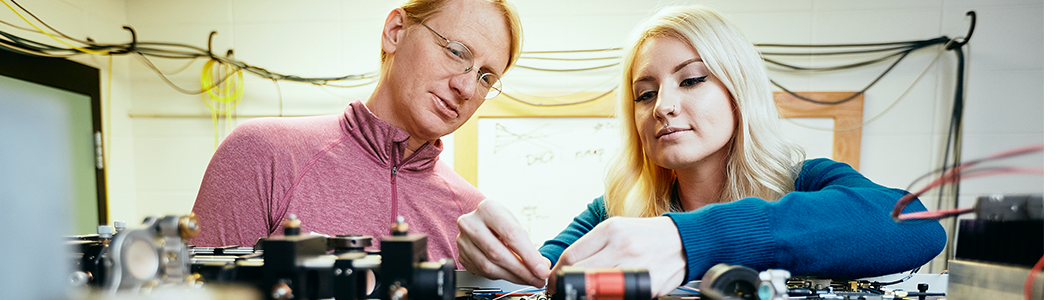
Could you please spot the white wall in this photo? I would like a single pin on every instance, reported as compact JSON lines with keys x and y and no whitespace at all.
{"x":162,"y":139}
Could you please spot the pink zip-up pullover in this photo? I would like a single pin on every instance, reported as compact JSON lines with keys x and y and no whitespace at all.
{"x":339,"y":174}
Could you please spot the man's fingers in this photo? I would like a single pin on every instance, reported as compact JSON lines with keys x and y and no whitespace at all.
{"x":510,"y":233}
{"x":477,"y":263}
{"x":494,"y":258}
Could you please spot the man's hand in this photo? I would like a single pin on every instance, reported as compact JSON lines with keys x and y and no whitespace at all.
{"x":631,"y":243}
{"x":493,"y":245}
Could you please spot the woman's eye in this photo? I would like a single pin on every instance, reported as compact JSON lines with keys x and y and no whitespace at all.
{"x":645,"y":96}
{"x":693,"y":81}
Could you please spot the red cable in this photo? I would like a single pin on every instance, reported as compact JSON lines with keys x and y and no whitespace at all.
{"x":951,"y":178}
{"x":935,"y":214}
{"x":1028,"y":287}
{"x":955,"y":174}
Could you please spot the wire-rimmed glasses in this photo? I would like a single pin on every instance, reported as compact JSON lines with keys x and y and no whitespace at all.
{"x":461,"y":58}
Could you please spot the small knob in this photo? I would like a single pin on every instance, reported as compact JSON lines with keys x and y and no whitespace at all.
{"x":281,"y":291}
{"x":104,"y":231}
{"x":293,"y":226}
{"x":398,"y":292}
{"x":78,"y":279}
{"x":922,"y":287}
{"x":399,"y":228}
{"x":119,"y":226}
{"x":188,"y":226}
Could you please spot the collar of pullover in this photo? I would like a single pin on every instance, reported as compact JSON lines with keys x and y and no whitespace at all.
{"x":385,"y":142}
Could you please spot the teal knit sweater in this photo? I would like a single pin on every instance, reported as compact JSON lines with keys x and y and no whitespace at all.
{"x":836,"y":224}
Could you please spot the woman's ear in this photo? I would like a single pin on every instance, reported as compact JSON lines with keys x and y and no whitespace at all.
{"x":394,"y":29}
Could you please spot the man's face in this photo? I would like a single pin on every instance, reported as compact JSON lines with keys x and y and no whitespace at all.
{"x":432,"y":96}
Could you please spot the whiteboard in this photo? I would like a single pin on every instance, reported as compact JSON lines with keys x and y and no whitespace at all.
{"x":547,"y":170}
{"x":544,"y":170}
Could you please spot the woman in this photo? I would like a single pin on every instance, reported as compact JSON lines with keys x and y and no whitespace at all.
{"x":704,"y":178}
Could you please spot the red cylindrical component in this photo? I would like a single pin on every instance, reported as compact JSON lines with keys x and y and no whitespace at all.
{"x":605,"y":284}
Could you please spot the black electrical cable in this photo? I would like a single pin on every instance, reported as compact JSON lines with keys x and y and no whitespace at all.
{"x":834,"y":45}
{"x":903,"y":279}
{"x":911,"y":46}
{"x":904,"y":45}
{"x":23,"y":46}
{"x":833,"y":68}
{"x":855,"y":95}
{"x":839,"y":52}
{"x":954,"y":133}
{"x":46,"y":24}
{"x":954,"y":139}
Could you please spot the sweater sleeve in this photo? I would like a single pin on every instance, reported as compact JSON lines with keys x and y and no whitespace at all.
{"x":836,"y":224}
{"x":235,"y":199}
{"x":595,"y":213}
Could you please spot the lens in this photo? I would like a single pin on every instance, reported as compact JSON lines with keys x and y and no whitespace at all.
{"x":461,"y":55}
{"x":491,"y":83}
{"x":494,"y":91}
{"x":140,"y":259}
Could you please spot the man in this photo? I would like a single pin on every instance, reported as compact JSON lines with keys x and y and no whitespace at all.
{"x":356,"y":172}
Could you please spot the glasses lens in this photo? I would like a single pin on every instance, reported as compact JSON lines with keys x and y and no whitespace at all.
{"x":494,"y":89}
{"x":461,"y":55}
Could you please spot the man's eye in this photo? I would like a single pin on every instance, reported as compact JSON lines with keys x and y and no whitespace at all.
{"x":693,"y":81}
{"x":454,"y":52}
{"x":458,"y":53}
{"x":488,"y":79}
{"x":645,"y":96}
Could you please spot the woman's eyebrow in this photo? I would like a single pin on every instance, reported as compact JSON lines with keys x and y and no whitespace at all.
{"x":686,"y":63}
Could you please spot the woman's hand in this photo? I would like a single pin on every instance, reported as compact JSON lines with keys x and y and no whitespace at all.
{"x":493,"y":245}
{"x":631,"y":243}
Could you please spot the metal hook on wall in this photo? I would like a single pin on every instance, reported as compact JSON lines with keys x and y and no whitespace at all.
{"x":132,"y":45}
{"x":954,"y":43}
{"x":209,"y":43}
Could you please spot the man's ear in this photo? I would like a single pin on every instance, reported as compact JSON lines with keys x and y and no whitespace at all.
{"x":394,"y":29}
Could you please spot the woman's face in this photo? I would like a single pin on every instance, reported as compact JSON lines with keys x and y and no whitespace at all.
{"x":684,"y":116}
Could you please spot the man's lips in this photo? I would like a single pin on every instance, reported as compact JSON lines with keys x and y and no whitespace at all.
{"x":446,"y":104}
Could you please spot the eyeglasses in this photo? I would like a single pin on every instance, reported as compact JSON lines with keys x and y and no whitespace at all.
{"x":461,"y":58}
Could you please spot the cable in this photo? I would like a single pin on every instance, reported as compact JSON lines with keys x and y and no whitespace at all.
{"x":571,"y":51}
{"x":908,"y":48}
{"x":174,"y":85}
{"x":855,"y":95}
{"x":107,"y":140}
{"x":42,"y":21}
{"x":1028,"y":286}
{"x":279,"y":95}
{"x":587,"y":89}
{"x":568,"y":70}
{"x":911,"y":273}
{"x":226,"y":98}
{"x":594,"y":98}
{"x":521,"y":57}
{"x":886,"y":110}
{"x":50,"y":35}
{"x":954,"y":134}
{"x":955,"y":174}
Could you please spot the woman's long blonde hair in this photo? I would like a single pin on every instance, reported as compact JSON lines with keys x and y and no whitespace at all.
{"x":761,"y":163}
